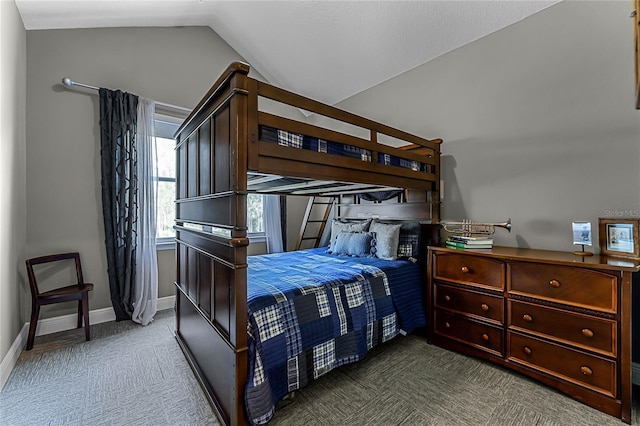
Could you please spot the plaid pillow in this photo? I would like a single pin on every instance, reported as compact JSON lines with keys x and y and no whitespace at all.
{"x":408,"y":239}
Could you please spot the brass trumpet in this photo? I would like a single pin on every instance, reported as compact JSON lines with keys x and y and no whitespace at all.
{"x":468,"y":228}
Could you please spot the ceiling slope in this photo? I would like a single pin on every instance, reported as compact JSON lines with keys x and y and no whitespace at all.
{"x":327,"y":51}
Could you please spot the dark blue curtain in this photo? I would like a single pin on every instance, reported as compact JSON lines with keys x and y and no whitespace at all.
{"x":118,"y":117}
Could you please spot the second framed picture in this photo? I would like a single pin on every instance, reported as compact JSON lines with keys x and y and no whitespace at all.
{"x":619,"y":237}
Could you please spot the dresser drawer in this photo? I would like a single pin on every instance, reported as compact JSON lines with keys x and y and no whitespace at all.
{"x":563,"y":284}
{"x":477,"y":334}
{"x":471,"y":302}
{"x":574,"y":366}
{"x":469,"y":269}
{"x":589,"y":332}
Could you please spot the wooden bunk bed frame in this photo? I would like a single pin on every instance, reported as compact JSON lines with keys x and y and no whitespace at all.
{"x":220,"y":157}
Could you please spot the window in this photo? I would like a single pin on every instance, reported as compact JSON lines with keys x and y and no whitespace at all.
{"x":166,"y":126}
{"x":255,"y":217}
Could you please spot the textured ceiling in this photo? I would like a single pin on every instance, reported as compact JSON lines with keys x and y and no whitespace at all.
{"x":326,"y":50}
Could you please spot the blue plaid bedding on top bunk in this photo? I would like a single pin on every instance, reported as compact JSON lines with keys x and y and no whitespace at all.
{"x":310,"y":312}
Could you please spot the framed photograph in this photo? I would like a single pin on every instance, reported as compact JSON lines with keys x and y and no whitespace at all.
{"x":619,"y":237}
{"x":582,"y":233}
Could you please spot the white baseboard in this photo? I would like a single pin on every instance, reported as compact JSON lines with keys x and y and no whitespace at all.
{"x":98,"y":316}
{"x":635,"y":373}
{"x":166,"y":303}
{"x":61,"y":323}
{"x":68,"y":322}
{"x":10,"y":359}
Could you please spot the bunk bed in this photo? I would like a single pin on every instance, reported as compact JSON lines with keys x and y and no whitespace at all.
{"x":233,"y":144}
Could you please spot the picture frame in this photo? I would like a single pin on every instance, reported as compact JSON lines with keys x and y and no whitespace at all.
{"x":581,"y":231}
{"x":619,"y":237}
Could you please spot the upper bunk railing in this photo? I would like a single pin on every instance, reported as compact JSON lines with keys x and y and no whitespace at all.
{"x":380,"y":165}
{"x":416,"y":150}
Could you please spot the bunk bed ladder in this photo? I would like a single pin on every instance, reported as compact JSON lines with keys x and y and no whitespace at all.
{"x":311,"y":216}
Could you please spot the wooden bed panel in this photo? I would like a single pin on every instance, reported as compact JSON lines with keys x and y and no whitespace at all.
{"x":386,"y":211}
{"x":192,"y":159}
{"x":210,"y":284}
{"x":216,"y":247}
{"x":199,"y":343}
{"x":205,"y":265}
{"x":321,"y":159}
{"x":304,"y":165}
{"x":192,"y":274}
{"x":206,"y":160}
{"x":222,"y":294}
{"x":181,"y":172}
{"x":212,"y":209}
{"x":222,"y":152}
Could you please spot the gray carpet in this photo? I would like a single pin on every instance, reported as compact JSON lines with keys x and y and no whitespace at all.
{"x":133,"y":375}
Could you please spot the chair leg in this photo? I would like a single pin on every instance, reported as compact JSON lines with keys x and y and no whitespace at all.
{"x":85,"y":311}
{"x":35,"y":311}
{"x":79,"y":314}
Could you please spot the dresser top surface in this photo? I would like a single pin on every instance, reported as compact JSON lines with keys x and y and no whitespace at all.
{"x":550,"y":256}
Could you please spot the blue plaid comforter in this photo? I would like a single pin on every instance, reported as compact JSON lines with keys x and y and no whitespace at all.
{"x":310,"y":312}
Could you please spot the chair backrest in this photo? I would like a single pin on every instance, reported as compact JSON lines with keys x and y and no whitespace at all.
{"x":33,"y":284}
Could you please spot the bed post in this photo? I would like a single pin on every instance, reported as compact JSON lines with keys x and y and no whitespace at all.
{"x":211,"y":242}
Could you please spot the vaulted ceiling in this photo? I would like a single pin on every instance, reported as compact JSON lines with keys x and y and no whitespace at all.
{"x":326,"y":50}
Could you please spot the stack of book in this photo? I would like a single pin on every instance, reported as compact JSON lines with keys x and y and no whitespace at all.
{"x":476,"y":242}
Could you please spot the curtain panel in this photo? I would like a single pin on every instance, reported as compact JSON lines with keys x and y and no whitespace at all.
{"x":273,"y":223}
{"x":118,"y":121}
{"x":146,"y":277}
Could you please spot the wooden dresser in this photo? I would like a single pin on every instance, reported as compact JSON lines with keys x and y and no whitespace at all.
{"x":562,"y":319}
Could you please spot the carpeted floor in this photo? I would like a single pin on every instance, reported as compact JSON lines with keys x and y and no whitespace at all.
{"x":133,"y":375}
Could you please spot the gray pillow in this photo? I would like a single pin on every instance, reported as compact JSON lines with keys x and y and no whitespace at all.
{"x":387,"y":239}
{"x":409,"y":245}
{"x":337,"y":226}
{"x":357,"y":244}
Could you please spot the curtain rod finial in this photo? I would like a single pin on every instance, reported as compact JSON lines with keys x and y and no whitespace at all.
{"x":67,"y":82}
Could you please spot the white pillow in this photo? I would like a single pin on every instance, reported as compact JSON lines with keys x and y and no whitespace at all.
{"x":337,"y":226}
{"x":388,"y":238}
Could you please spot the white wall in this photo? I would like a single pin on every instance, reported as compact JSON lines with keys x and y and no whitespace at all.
{"x":538,"y":122}
{"x":13,"y":50}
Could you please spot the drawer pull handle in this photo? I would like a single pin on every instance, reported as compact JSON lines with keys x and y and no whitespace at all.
{"x":484,"y":307}
{"x":554,"y":283}
{"x":464,"y":269}
{"x":447,"y":298}
{"x":527,"y":318}
{"x":485,"y":337}
{"x":586,"y":370}
{"x":527,"y":350}
{"x":447,"y":325}
{"x":587,"y":332}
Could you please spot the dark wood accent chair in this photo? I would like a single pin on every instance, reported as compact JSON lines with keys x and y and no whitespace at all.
{"x":78,"y":291}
